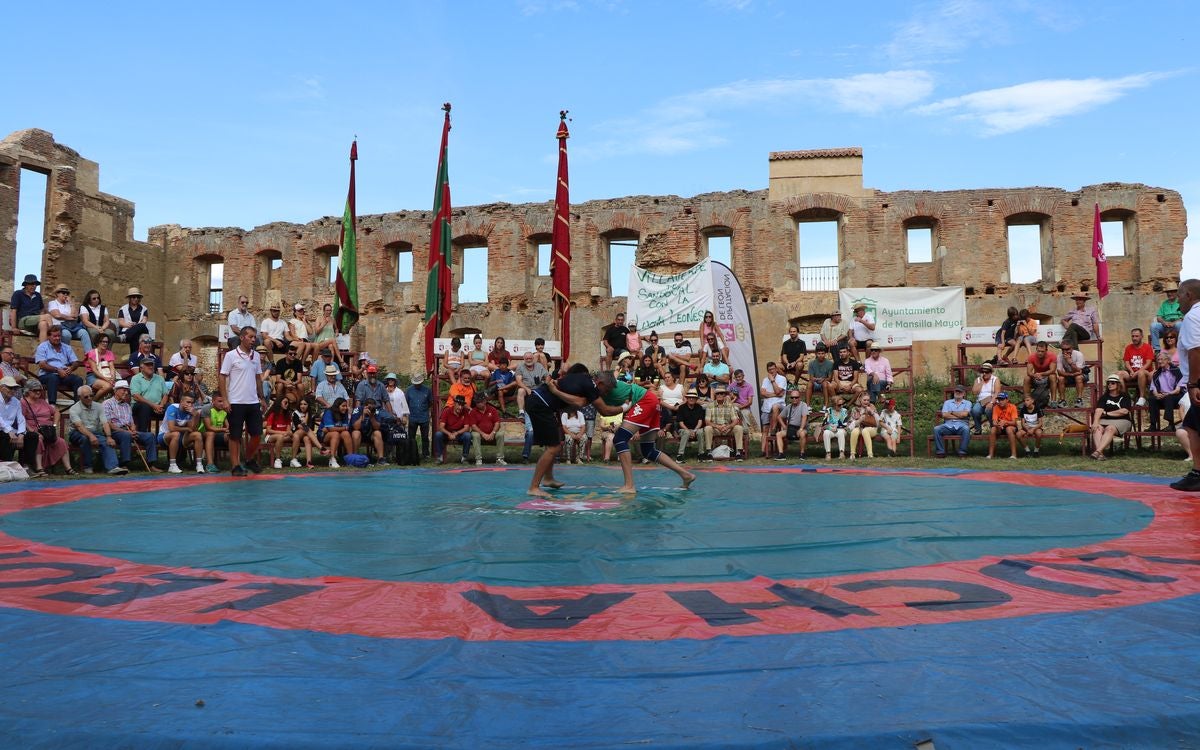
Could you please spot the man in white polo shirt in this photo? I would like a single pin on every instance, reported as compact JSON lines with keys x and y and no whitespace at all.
{"x":1189,"y":367}
{"x":241,"y":384}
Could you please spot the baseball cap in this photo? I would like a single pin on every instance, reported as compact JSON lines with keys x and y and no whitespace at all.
{"x":119,"y":384}
{"x":960,"y":389}
{"x":297,"y":306}
{"x":1003,"y":395}
{"x":372,"y":369}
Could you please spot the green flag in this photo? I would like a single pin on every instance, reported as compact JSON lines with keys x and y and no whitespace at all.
{"x":345,"y":305}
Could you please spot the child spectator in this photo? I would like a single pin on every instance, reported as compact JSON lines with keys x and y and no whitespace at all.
{"x":891,"y":424}
{"x":1004,"y":422}
{"x":1029,"y":426}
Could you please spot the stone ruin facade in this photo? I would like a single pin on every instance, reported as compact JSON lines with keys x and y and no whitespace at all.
{"x":89,"y":244}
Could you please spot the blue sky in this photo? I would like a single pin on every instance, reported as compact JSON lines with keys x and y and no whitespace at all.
{"x":241,"y":114}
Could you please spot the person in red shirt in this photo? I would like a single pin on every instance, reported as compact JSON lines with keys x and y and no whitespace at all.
{"x":485,"y":425}
{"x":1004,"y":422}
{"x":1137,"y":362}
{"x":1040,"y":371}
{"x":454,"y":425}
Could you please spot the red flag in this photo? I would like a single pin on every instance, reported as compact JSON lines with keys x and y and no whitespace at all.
{"x":560,"y":242}
{"x":345,"y":305}
{"x":1098,"y":254}
{"x":437,"y":288}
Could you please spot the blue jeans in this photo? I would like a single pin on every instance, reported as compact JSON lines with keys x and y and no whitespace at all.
{"x":148,"y":441}
{"x":53,"y":382}
{"x":528,"y":437}
{"x":876,"y":386}
{"x":439,"y":443}
{"x":79,"y":332}
{"x":978,"y":411}
{"x":108,"y":454}
{"x":954,"y":428}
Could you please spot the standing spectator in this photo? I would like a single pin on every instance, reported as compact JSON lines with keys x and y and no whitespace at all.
{"x":216,"y":431}
{"x":150,"y":395}
{"x":1112,"y":417}
{"x":180,"y":359}
{"x":1080,"y":324}
{"x":1166,"y":319}
{"x":124,"y":430}
{"x":1136,"y":363}
{"x":985,"y":388}
{"x":241,"y":385}
{"x":94,"y":315}
{"x":864,"y":422}
{"x":90,"y":432}
{"x":132,"y":319}
{"x":12,"y":426}
{"x":820,"y":375}
{"x":1166,"y":390}
{"x":954,"y":413}
{"x":836,"y":420}
{"x":791,"y":424}
{"x":721,"y":418}
{"x":1041,"y":382}
{"x":1071,"y":372}
{"x":64,"y":313}
{"x":335,"y":431}
{"x":879,"y":373}
{"x":1189,"y":367}
{"x":394,"y":402}
{"x":792,"y":355}
{"x":27,"y":311}
{"x":420,"y":401}
{"x":835,"y":332}
{"x":237,"y":319}
{"x":891,"y":424}
{"x":454,"y":425}
{"x":330,"y":389}
{"x":178,"y":429}
{"x":1004,"y":422}
{"x":615,"y":338}
{"x":145,"y":350}
{"x":10,"y":367}
{"x":57,"y":364}
{"x":679,"y":358}
{"x":274,"y":333}
{"x":41,"y":422}
{"x":589,"y":426}
{"x":1029,"y":426}
{"x":862,"y":330}
{"x":102,"y":366}
{"x":689,"y":423}
{"x":486,"y":427}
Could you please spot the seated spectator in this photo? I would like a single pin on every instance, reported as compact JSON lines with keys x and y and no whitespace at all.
{"x":273,"y":331}
{"x":835,"y":333}
{"x":1006,"y":338}
{"x":216,"y":431}
{"x":1041,"y":380}
{"x":178,"y":429}
{"x":1170,"y":341}
{"x":499,"y":351}
{"x":90,"y":433}
{"x":277,"y":429}
{"x":717,"y":370}
{"x":65,"y":314}
{"x":317,"y":372}
{"x":836,"y":420}
{"x":539,"y":354}
{"x":1004,"y":422}
{"x":366,"y":427}
{"x":371,"y":388}
{"x":465,"y":387}
{"x":891,"y":425}
{"x":238,"y":318}
{"x":625,"y":367}
{"x":454,"y":359}
{"x":954,"y":414}
{"x":1080,"y":324}
{"x":27,"y":311}
{"x":1166,"y":391}
{"x":1029,"y":426}
{"x":326,"y":335}
{"x":862,"y":331}
{"x":646,"y":374}
{"x":658,"y":354}
{"x":529,"y":375}
{"x":420,"y":402}
{"x":145,"y":350}
{"x":41,"y":423}
{"x":150,"y":395}
{"x":1112,"y":416}
{"x":864,"y":423}
{"x":1027,"y":333}
{"x":791,"y":423}
{"x":589,"y":426}
{"x":680,"y":360}
{"x":334,"y":432}
{"x":689,"y":424}
{"x":94,"y":315}
{"x":820,"y":375}
{"x":607,"y":429}
{"x":486,"y":428}
{"x":57,"y":364}
{"x":615,"y":338}
{"x":290,"y":371}
{"x":454,"y":425}
{"x":771,"y":392}
{"x":477,"y":359}
{"x":13,"y":435}
{"x":298,"y":335}
{"x":121,"y":425}
{"x":703,"y":388}
{"x":633,"y":339}
{"x":102,"y":367}
{"x":132,"y":319}
{"x":11,"y":367}
{"x":187,"y":385}
{"x":1136,"y":363}
{"x":357,"y":373}
{"x":722,"y":418}
{"x":846,"y":375}
{"x":304,"y":434}
{"x":574,"y":434}
{"x":879,"y":373}
{"x":713,"y":343}
{"x":985,"y":388}
{"x":741,"y":392}
{"x":1071,"y":372}
{"x":670,"y":398}
{"x":792,"y":356}
{"x":502,"y":384}
{"x":1167,"y":318}
{"x":330,"y":390}
{"x":180,"y":359}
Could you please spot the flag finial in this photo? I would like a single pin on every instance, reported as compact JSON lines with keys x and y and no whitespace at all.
{"x":446,"y":107}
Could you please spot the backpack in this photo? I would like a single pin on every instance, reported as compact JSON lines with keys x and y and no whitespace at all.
{"x":357,"y":460}
{"x":406,"y":447}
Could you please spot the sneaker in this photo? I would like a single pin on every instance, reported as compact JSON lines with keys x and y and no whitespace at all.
{"x":1140,"y":402}
{"x":1189,"y":483}
{"x":381,"y":462}
{"x":479,"y":462}
{"x":253,"y":466}
{"x":199,"y":467}
{"x":117,"y":471}
{"x":278,"y":463}
{"x":501,"y":462}
{"x":238,"y":471}
{"x":1037,"y":453}
{"x":740,"y":456}
{"x":462,"y":460}
{"x":988,"y":456}
{"x":679,"y":458}
{"x":939,"y":455}
{"x":524,"y":458}
{"x":828,"y":456}
{"x":780,"y":457}
{"x":294,"y":464}
{"x":1078,"y":403}
{"x":333,"y":464}
{"x":211,"y":469}
{"x":1013,"y":457}
{"x":89,"y":470}
{"x":174,"y":469}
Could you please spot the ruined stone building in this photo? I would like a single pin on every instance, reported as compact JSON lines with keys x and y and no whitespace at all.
{"x":89,"y":243}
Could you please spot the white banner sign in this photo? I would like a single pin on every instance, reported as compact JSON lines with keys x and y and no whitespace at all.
{"x":669,"y":303}
{"x":927,"y":313}
{"x":733,"y":321}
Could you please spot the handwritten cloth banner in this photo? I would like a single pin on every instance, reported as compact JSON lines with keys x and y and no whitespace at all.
{"x":928,"y":313}
{"x":670,"y":302}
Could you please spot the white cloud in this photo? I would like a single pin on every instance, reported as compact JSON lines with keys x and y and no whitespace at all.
{"x":1026,"y":105}
{"x":937,"y":32}
{"x":689,"y":122}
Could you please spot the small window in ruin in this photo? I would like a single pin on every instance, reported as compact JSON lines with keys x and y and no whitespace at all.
{"x":333,"y":260}
{"x":216,"y":283}
{"x":544,"y":249}
{"x":719,"y":247}
{"x":920,"y":244}
{"x":1024,"y":253}
{"x":404,"y":265}
{"x":274,"y":273}
{"x":622,"y":257}
{"x":31,"y":226}
{"x":817,"y":253}
{"x":1114,"y":238}
{"x":474,"y":286}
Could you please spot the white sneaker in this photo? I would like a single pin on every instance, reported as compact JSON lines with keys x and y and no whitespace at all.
{"x":174,"y":469}
{"x":1140,"y":402}
{"x":333,"y":464}
{"x":479,"y":462}
{"x":199,"y":467}
{"x":501,"y":461}
{"x":278,"y":463}
{"x":294,"y":464}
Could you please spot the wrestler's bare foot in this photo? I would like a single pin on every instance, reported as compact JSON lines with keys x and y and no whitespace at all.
{"x":688,"y":479}
{"x":539,"y":492}
{"x":553,"y":484}
{"x":627,"y":490}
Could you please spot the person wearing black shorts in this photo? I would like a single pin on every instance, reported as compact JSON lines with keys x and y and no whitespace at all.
{"x":543,"y":408}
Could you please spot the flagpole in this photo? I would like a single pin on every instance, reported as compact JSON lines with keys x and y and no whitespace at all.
{"x":437,"y":288}
{"x":560,"y":243}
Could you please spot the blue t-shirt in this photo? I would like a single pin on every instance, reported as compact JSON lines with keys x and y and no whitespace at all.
{"x":329,"y":420}
{"x":420,"y":398}
{"x":175,"y":414}
{"x":501,"y":378}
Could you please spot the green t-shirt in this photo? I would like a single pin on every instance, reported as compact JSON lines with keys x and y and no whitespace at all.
{"x":217,"y":417}
{"x":1169,"y":311}
{"x":622,"y":392}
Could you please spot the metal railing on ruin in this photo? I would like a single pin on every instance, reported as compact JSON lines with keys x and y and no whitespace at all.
{"x":819,"y":278}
